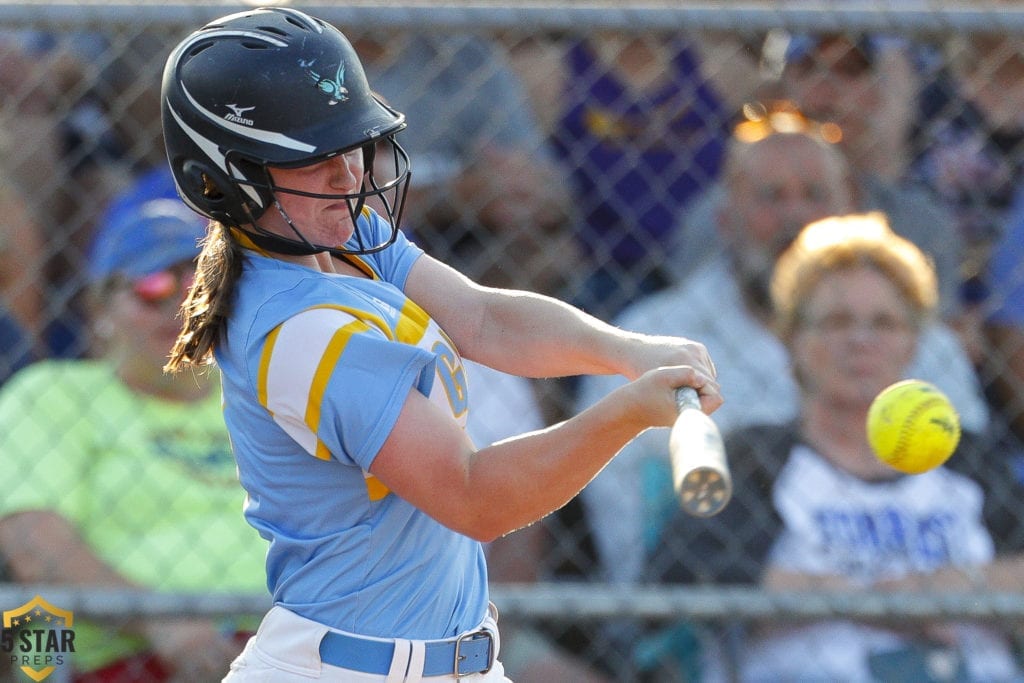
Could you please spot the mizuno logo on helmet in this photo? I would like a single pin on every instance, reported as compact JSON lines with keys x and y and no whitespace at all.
{"x":333,"y":88}
{"x":236,"y":114}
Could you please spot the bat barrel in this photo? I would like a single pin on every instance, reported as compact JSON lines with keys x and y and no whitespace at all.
{"x":704,"y":492}
{"x":700,"y":470}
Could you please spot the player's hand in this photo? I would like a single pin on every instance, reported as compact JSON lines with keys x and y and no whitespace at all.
{"x":654,"y":393}
{"x":646,"y":352}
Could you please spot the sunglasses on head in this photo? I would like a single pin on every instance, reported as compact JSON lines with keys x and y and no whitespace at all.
{"x":158,"y":287}
{"x":763,"y":119}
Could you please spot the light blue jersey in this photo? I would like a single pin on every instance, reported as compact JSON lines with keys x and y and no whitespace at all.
{"x":316,"y":368}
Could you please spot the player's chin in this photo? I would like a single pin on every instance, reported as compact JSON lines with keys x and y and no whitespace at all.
{"x":338,"y":213}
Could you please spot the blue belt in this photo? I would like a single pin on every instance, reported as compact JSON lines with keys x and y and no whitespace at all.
{"x":468,"y":654}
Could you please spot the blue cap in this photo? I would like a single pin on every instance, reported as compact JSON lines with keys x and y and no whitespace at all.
{"x":160,"y":233}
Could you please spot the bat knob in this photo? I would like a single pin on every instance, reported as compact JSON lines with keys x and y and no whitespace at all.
{"x":703,"y":492}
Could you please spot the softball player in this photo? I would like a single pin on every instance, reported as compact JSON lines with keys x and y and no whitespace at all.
{"x":339,"y":344}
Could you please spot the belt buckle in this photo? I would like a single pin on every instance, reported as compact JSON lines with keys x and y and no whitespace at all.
{"x":459,"y":656}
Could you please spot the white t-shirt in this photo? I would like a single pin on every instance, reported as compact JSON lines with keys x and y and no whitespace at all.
{"x":837,"y":524}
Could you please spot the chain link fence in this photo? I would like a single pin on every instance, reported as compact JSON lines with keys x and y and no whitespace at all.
{"x":536,"y":166}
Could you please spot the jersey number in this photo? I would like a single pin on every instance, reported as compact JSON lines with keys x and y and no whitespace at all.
{"x":453,"y":377}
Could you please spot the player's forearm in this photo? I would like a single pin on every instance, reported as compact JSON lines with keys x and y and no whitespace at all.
{"x":529,"y":334}
{"x":550,"y":339}
{"x":530,"y":476}
{"x":428,"y":460}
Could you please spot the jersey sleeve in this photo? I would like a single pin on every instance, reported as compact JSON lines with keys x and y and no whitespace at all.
{"x":393,"y":263}
{"x":341,"y":396}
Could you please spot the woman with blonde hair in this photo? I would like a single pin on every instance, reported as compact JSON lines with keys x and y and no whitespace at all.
{"x":850,"y":299}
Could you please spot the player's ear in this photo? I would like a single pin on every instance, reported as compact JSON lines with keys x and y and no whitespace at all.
{"x":207,"y":188}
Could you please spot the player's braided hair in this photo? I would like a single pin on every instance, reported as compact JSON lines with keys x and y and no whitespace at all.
{"x":205,"y":309}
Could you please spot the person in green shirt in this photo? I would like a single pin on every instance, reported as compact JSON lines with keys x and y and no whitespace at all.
{"x":119,"y":475}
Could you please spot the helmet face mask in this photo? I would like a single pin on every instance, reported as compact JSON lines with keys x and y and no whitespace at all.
{"x":274,"y":88}
{"x":384,"y":187}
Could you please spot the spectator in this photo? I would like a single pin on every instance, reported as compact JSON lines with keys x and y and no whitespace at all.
{"x":36,"y":78}
{"x":80,"y":116}
{"x":98,"y":452}
{"x":15,"y":346}
{"x":820,"y":512}
{"x":485,"y":186}
{"x":774,"y":186}
{"x":1003,"y":366}
{"x":971,"y":138}
{"x":643,"y":132}
{"x":22,"y":309}
{"x":838,"y":78}
{"x":969,"y":145}
{"x":834,"y":80}
{"x":22,"y":257}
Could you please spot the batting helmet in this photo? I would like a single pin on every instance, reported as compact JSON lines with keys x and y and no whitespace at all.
{"x":272,"y":87}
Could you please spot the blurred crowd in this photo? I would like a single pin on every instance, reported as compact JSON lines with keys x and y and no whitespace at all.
{"x":655,"y":180}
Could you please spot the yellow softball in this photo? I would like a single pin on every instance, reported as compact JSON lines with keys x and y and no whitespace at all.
{"x":912,"y":426}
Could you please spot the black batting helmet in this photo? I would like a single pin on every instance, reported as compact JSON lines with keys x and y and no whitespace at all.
{"x":272,"y":87}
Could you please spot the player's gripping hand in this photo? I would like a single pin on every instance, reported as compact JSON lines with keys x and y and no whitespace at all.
{"x":653,"y":394}
{"x":647,"y":352}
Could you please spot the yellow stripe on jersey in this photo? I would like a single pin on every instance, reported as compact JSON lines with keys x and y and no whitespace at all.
{"x":412,"y":324}
{"x":361,"y":314}
{"x":264,"y":369}
{"x":375,"y":488}
{"x":292,"y":386}
{"x":289,"y":381}
{"x":328,"y":361}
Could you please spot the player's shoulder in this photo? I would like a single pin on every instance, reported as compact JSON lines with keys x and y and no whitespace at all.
{"x":274,"y":285}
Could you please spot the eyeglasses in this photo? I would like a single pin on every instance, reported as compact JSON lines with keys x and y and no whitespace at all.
{"x":158,"y":287}
{"x":835,"y":324}
{"x":763,"y":119}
